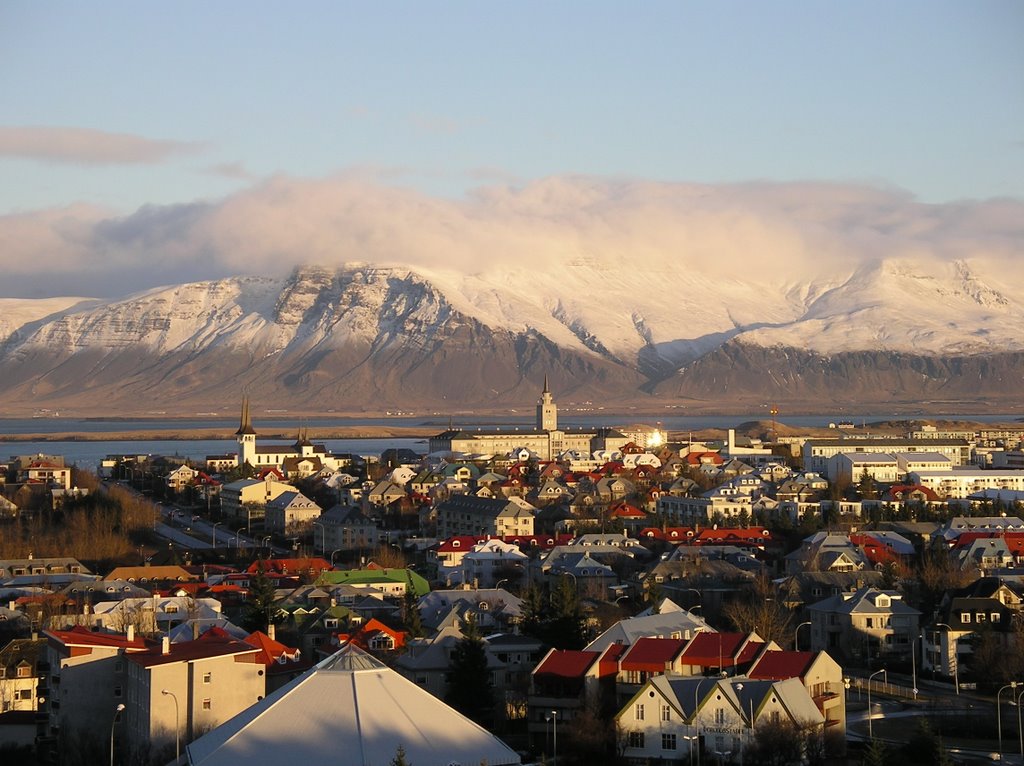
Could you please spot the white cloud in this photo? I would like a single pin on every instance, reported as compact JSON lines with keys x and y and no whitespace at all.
{"x":806,"y":230}
{"x":86,"y":146}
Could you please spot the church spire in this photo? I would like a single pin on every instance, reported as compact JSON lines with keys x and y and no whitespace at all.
{"x":245,"y":423}
{"x":546,"y":390}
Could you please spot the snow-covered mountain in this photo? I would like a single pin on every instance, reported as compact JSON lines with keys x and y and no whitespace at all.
{"x":373,"y":337}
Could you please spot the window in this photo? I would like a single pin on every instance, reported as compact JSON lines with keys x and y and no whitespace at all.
{"x":207,"y":704}
{"x":640,"y":711}
{"x":668,"y":741}
{"x":980,"y":617}
{"x":24,"y":671}
{"x":666,"y":713}
{"x":636,"y":739}
{"x":719,"y":715}
{"x":965,"y":617}
{"x":994,"y":616}
{"x":118,"y":691}
{"x":207,"y":677}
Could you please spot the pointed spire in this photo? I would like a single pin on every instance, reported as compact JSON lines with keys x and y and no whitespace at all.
{"x":545,"y":391}
{"x":245,"y":423}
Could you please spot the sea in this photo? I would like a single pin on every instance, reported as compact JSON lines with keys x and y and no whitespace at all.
{"x":89,"y":453}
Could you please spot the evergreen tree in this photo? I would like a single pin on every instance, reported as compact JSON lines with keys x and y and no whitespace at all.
{"x":532,"y":610}
{"x":261,"y":600}
{"x":566,"y":629}
{"x":400,"y":759}
{"x":411,"y":619}
{"x":469,"y":688}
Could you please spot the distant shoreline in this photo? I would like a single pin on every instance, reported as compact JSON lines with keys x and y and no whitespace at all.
{"x":207,"y":434}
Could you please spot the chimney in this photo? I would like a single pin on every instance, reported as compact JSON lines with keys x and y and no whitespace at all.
{"x":131,"y":634}
{"x":165,"y":645}
{"x":272,"y":631}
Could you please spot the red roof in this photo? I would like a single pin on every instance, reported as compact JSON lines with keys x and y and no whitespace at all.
{"x":780,"y":665}
{"x":698,"y":458}
{"x":627,"y":511}
{"x":270,"y":650}
{"x":567,"y":663}
{"x":82,"y":636}
{"x":651,"y":654}
{"x":717,"y":650}
{"x":610,"y":660}
{"x":290,"y":566}
{"x":213,"y":643}
{"x":368,"y":630}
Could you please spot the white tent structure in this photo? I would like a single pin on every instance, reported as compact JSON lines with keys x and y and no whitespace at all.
{"x":350,"y":710}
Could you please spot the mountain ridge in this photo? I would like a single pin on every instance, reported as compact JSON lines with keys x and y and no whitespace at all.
{"x":381,"y":337}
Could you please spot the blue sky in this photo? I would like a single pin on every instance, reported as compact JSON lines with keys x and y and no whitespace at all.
{"x":143,"y":139}
{"x":924,"y":96}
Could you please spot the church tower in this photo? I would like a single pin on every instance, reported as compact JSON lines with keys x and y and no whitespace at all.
{"x":246,"y":436}
{"x":547,"y":412}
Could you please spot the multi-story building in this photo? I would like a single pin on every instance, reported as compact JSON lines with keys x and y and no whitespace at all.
{"x":546,"y":440}
{"x":246,"y":499}
{"x":472,"y":515}
{"x":19,"y":679}
{"x":962,"y":482}
{"x":865,"y":624}
{"x":180,"y":691}
{"x":817,"y":452}
{"x":345,"y":528}
{"x":290,"y":511}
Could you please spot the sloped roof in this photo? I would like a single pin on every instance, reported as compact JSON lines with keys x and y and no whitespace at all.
{"x":349,"y":710}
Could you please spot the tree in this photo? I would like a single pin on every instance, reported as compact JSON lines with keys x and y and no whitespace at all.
{"x":532,"y":610}
{"x":761,"y":611}
{"x":876,"y":754}
{"x":261,"y":600}
{"x":400,"y":759}
{"x":412,"y":621}
{"x":469,"y":686}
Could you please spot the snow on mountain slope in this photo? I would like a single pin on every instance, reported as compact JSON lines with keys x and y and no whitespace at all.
{"x":653,"y":319}
{"x":907,"y":306}
{"x":17,"y":313}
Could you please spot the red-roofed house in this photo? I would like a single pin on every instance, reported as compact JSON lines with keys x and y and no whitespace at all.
{"x":283,"y":663}
{"x":709,"y":653}
{"x":648,"y":656}
{"x":373,"y":636}
{"x":291,"y":567}
{"x":820,"y":674}
{"x":566,"y":681}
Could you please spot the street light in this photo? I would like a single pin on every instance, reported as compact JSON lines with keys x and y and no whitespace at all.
{"x":913,"y":666}
{"x":796,"y":635}
{"x":335,"y":551}
{"x":554,"y":738}
{"x":956,"y":656}
{"x":177,"y":724}
{"x":117,"y":713}
{"x":1020,"y":732}
{"x":696,"y":732}
{"x":689,"y":743}
{"x":215,"y":525}
{"x":871,"y":734}
{"x":999,"y":716}
{"x":323,"y":536}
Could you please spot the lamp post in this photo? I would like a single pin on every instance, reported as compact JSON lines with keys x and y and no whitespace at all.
{"x":335,"y":551}
{"x":871,"y":734}
{"x":696,"y":728}
{"x":215,"y":525}
{"x":689,"y":743}
{"x":796,"y":635}
{"x":956,"y":657}
{"x":999,"y":716}
{"x":1020,"y":732}
{"x":913,"y":667}
{"x":177,"y":724}
{"x":554,"y":738}
{"x":117,"y":713}
{"x":323,"y":536}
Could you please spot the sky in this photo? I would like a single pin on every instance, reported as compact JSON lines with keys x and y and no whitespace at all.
{"x":135,"y":137}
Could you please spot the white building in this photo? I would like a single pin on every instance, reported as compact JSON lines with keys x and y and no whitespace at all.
{"x":961,"y":482}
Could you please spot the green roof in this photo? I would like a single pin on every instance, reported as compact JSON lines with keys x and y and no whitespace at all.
{"x":420,"y":587}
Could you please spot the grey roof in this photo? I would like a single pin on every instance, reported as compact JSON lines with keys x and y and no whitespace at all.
{"x":349,"y":710}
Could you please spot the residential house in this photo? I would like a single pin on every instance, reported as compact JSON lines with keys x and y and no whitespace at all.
{"x":864,"y":625}
{"x":19,"y":674}
{"x":345,"y":528}
{"x":291,"y":513}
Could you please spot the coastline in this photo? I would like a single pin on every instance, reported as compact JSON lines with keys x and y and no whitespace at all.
{"x":205,"y":434}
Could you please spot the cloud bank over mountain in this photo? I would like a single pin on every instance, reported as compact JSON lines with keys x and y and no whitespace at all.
{"x":788,"y":232}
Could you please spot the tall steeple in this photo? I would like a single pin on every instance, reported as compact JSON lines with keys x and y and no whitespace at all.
{"x":246,"y":436}
{"x":547,"y":412}
{"x":245,"y":422}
